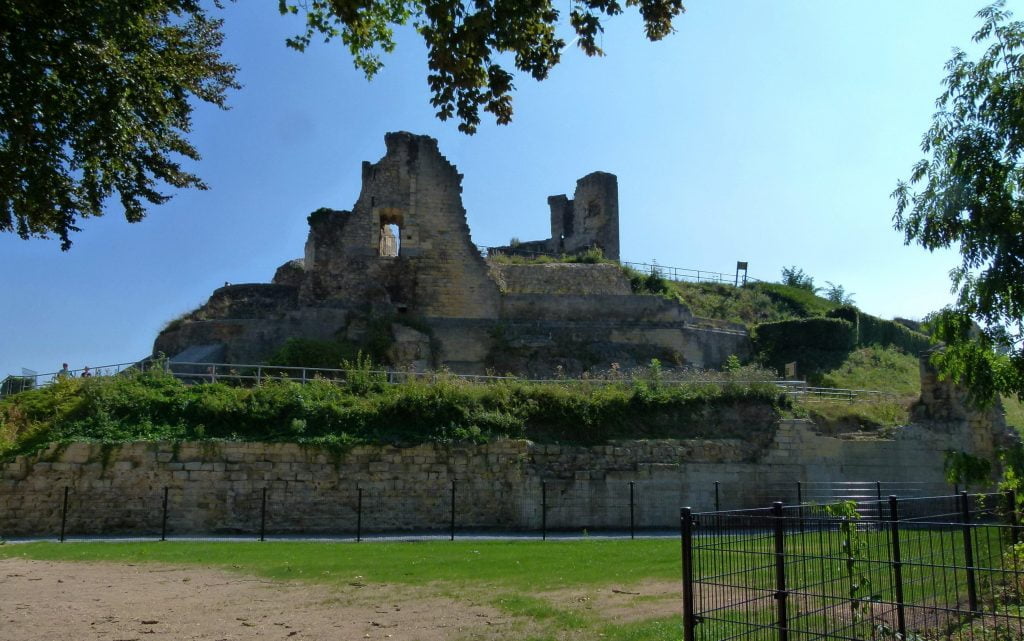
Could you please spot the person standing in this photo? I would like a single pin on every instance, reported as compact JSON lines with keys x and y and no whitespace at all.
{"x":64,"y":372}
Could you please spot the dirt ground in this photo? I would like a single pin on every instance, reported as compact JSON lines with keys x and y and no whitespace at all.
{"x":47,"y":601}
{"x":647,"y":600}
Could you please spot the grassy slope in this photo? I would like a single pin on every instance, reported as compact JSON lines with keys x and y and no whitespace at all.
{"x":750,"y":305}
{"x":736,"y":304}
{"x":876,"y":368}
{"x":868,"y":368}
{"x":1014,"y":414}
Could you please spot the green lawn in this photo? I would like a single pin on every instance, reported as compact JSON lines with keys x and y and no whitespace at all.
{"x":507,"y":575}
{"x":515,"y":565}
{"x":518,"y":577}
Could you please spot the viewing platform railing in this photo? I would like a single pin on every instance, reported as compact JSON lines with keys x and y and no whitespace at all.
{"x":665,"y":271}
{"x":257,"y":373}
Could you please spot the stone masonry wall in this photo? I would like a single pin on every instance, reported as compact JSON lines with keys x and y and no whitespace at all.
{"x":561,"y":278}
{"x":438,"y":271}
{"x":218,"y":488}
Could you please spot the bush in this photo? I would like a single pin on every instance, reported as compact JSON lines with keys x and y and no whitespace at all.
{"x":872,"y":330}
{"x":307,"y":352}
{"x":800,"y":302}
{"x":156,"y":406}
{"x":796,"y":277}
{"x":827,"y":334}
{"x":815,"y":343}
{"x":876,"y":331}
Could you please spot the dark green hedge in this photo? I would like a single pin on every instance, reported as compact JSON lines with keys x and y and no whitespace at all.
{"x":819,"y":344}
{"x":815,"y":343}
{"x":845,"y":312}
{"x":875,"y":331}
{"x":872,"y":330}
{"x":829,"y":334}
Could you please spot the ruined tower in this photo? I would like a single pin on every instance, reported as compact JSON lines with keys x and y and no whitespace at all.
{"x":590,"y":219}
{"x":405,"y":243}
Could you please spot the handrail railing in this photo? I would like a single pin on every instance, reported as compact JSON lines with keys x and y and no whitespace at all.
{"x":665,"y":271}
{"x":196,"y":372}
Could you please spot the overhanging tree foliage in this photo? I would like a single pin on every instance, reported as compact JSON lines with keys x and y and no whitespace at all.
{"x":95,"y":95}
{"x":95,"y":101}
{"x":970,"y":193}
{"x":464,"y":38}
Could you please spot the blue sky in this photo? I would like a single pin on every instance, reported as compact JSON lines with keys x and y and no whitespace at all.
{"x":771,"y":132}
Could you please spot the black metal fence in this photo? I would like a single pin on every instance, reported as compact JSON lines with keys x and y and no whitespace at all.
{"x":921,"y":569}
{"x":357,"y":511}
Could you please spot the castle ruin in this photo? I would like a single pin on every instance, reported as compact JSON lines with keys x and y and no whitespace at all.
{"x":404,"y":254}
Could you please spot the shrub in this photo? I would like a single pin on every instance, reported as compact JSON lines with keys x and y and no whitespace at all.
{"x":800,"y":302}
{"x":872,"y":330}
{"x":827,"y":334}
{"x":155,"y":406}
{"x":816,"y":343}
{"x":876,"y":331}
{"x":796,"y":277}
{"x":307,"y":352}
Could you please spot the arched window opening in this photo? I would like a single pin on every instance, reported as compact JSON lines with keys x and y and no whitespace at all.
{"x":390,"y":240}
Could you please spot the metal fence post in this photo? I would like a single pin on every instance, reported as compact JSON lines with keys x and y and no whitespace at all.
{"x":263,"y":516}
{"x":451,"y":536}
{"x":632,"y":528}
{"x":800,"y":504}
{"x":543,"y":510}
{"x":718,"y":508}
{"x":1011,"y":504}
{"x":972,"y":588}
{"x":897,"y":564}
{"x":782,"y":623}
{"x":359,"y":514}
{"x":64,"y":513}
{"x":878,"y":494}
{"x":686,"y":540}
{"x":163,"y":518}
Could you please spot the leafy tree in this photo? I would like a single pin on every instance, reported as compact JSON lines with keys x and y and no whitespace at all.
{"x":970,"y":194}
{"x":838,"y":294}
{"x":464,"y":39}
{"x":795,"y":277}
{"x":96,"y":96}
{"x":95,"y":101}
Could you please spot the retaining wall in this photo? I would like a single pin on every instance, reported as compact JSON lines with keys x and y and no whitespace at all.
{"x":218,"y":488}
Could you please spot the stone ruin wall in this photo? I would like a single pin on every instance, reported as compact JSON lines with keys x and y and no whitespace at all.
{"x":217,"y":488}
{"x":439,"y":278}
{"x":590,"y":219}
{"x":561,"y":279}
{"x":438,"y":272}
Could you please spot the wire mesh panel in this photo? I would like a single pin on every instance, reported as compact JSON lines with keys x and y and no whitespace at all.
{"x":96,"y":510}
{"x":582,"y":505}
{"x":388,"y":510}
{"x":824,"y":572}
{"x":869,"y":496}
{"x":733,"y":555}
